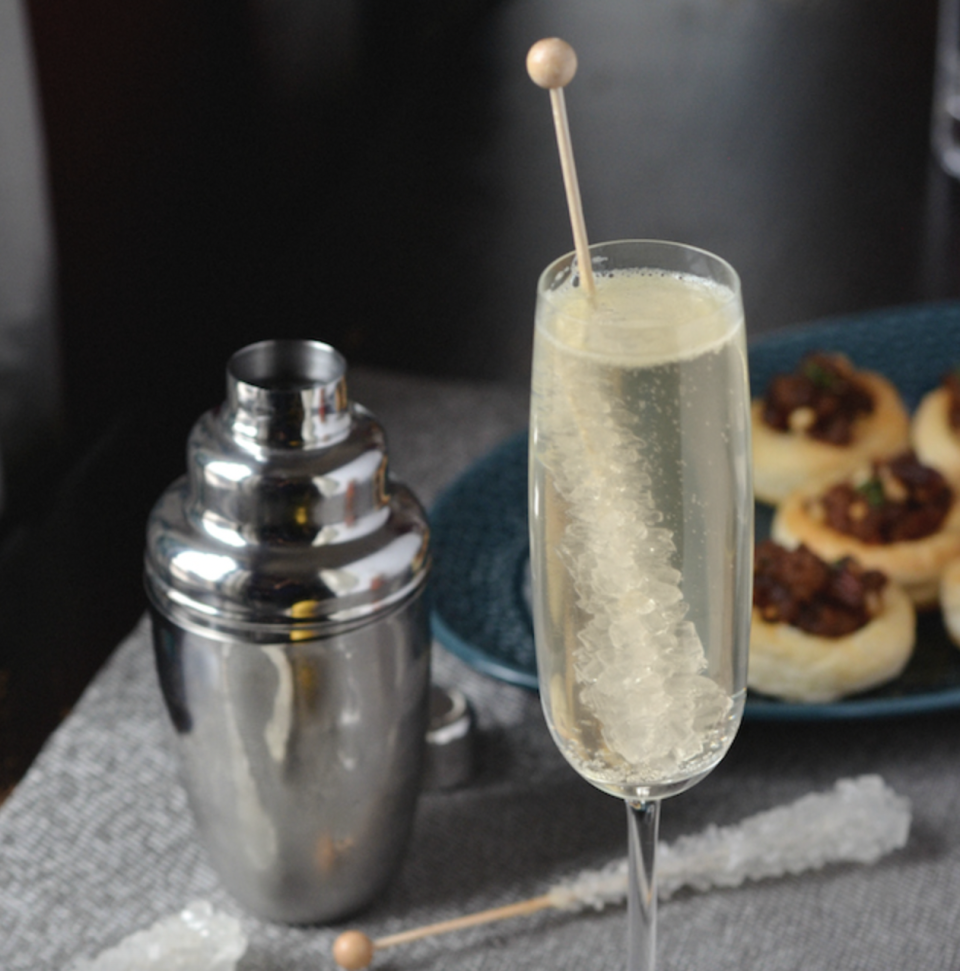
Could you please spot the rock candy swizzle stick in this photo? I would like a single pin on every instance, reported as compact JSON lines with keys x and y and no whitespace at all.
{"x":859,"y":820}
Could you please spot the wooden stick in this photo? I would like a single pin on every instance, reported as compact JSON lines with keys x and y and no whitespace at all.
{"x":353,"y":950}
{"x":551,"y":64}
{"x":519,"y":909}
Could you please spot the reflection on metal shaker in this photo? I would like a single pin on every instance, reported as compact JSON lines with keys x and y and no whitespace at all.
{"x":285,"y":574}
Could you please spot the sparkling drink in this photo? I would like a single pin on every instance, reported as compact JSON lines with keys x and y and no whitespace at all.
{"x":641,"y":520}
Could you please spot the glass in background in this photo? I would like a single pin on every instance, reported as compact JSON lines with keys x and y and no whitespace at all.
{"x":945,"y":128}
{"x":30,"y":394}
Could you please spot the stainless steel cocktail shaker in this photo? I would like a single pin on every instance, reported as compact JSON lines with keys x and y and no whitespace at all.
{"x":285,"y":573}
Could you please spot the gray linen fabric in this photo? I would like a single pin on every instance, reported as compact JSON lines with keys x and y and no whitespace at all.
{"x":97,"y":840}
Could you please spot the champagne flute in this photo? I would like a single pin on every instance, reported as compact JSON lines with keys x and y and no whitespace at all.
{"x":641,"y":523}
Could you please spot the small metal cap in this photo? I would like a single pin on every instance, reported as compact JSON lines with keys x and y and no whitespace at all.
{"x":449,"y":759}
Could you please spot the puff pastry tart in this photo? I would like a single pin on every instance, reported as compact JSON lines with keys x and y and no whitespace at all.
{"x":822,"y":631}
{"x":898,"y":516}
{"x":826,"y":418}
{"x":935,"y":431}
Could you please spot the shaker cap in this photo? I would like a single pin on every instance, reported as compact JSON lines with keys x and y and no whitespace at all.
{"x":287,"y":520}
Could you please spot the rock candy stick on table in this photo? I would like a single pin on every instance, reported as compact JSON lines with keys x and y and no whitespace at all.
{"x":860,"y":820}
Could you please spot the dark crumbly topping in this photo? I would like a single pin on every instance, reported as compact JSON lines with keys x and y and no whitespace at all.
{"x":902,"y":500}
{"x":822,"y":399}
{"x":796,"y":587}
{"x":951,"y":382}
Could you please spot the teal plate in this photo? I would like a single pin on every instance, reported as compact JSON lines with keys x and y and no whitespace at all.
{"x":480,"y":598}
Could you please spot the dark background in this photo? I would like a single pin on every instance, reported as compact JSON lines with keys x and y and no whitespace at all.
{"x":383,"y":176}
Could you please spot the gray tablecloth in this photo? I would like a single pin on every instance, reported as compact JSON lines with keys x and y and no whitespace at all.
{"x":97,"y":840}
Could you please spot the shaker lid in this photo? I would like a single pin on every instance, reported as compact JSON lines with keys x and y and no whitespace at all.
{"x":287,"y":518}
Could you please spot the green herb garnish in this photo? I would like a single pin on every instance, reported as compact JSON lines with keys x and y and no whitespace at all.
{"x":872,"y":491}
{"x":819,"y":375}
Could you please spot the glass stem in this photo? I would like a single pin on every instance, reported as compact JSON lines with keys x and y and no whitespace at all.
{"x":643,"y":823}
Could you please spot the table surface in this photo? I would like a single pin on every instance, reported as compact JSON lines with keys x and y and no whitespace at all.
{"x":97,"y":840}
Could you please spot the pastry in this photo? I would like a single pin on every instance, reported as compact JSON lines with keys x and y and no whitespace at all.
{"x":824,"y":419}
{"x":822,"y":631}
{"x":935,"y":431}
{"x":897,"y":516}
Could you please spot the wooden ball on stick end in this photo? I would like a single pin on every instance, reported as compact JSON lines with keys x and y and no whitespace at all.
{"x":353,"y":951}
{"x":551,"y":63}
